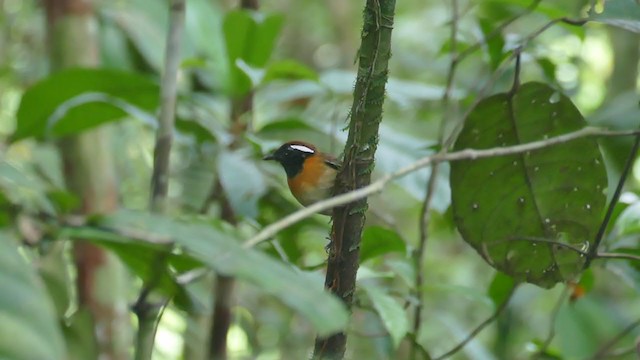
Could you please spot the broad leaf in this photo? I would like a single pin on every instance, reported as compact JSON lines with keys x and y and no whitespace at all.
{"x":29,"y":328}
{"x":219,"y":249}
{"x":243,"y":184}
{"x":289,"y":70}
{"x":390,"y":311}
{"x":74,"y":100}
{"x":249,"y":37}
{"x":624,"y":14}
{"x":146,"y":260}
{"x":514,"y":209}
{"x":377,"y":241}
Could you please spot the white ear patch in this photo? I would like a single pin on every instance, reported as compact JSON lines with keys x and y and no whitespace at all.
{"x":302,"y":148}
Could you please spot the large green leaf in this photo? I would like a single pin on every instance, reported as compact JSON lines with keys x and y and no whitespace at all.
{"x":28,"y":325}
{"x":249,"y":37}
{"x":512,"y":209}
{"x":390,"y":311}
{"x":243,"y":184}
{"x":74,"y":100}
{"x":624,"y":14}
{"x":220,"y":250}
{"x":148,"y":261}
{"x":377,"y":241}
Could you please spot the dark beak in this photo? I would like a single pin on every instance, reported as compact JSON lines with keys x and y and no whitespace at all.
{"x":269,"y":157}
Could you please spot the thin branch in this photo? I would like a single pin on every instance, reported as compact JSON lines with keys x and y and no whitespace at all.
{"x":468,"y":154}
{"x":495,"y":32}
{"x":604,"y":350}
{"x":149,"y":314}
{"x":501,"y":69}
{"x":614,"y":199}
{"x":480,"y":327}
{"x":433,"y":179}
{"x":168,"y":96}
{"x":616,"y":256}
{"x":552,"y":323}
{"x":517,"y":52}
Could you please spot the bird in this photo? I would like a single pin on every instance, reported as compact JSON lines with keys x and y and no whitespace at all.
{"x":310,"y":172}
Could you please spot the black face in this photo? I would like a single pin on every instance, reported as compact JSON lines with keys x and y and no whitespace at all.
{"x":291,"y":156}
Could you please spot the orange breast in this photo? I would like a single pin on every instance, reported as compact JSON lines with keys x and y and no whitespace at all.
{"x":314,"y":182}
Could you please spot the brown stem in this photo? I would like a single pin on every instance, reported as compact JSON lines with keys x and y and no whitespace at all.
{"x":366,"y":114}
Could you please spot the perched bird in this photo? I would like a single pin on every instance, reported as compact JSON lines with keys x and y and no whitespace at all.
{"x":310,"y":173}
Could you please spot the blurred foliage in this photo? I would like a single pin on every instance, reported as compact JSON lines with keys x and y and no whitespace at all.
{"x":296,"y":59}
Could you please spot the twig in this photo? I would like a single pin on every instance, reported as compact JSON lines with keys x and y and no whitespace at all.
{"x":525,"y":41}
{"x":480,"y":327}
{"x":614,"y":199}
{"x":433,"y":179}
{"x":617,"y":256}
{"x":475,"y":47}
{"x":168,"y":96}
{"x":552,"y":321}
{"x":467,"y":154}
{"x":602,"y":352}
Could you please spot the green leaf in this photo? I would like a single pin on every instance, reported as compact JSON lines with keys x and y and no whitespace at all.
{"x":144,"y":259}
{"x":500,"y":288}
{"x":250,"y":37}
{"x":503,"y":205}
{"x":218,"y":249}
{"x":79,"y":336}
{"x":74,"y":100}
{"x":377,"y":241}
{"x":628,"y":223}
{"x":494,"y":45}
{"x":390,"y":311}
{"x":624,"y":14}
{"x":548,"y":68}
{"x":200,"y":133}
{"x":29,"y":328}
{"x":243,"y":184}
{"x":289,"y":70}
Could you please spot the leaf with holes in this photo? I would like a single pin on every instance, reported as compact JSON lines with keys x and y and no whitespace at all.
{"x":528,"y":214}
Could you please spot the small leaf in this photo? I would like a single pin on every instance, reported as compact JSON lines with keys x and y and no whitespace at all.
{"x":495,"y":44}
{"x":501,"y":288}
{"x":628,"y":223}
{"x":29,"y":328}
{"x":79,"y":336}
{"x":504,"y":205}
{"x":74,"y":100}
{"x":377,"y":241}
{"x":624,"y":14}
{"x":548,"y":68}
{"x":289,"y":70}
{"x":249,"y":37}
{"x":242,"y":182}
{"x":197,"y":130}
{"x":390,"y":311}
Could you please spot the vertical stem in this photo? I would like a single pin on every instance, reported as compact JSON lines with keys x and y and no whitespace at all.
{"x":168,"y":95}
{"x":431,"y":184}
{"x":149,"y":314}
{"x":366,"y":114}
{"x":222,"y":297}
{"x":89,"y":173}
